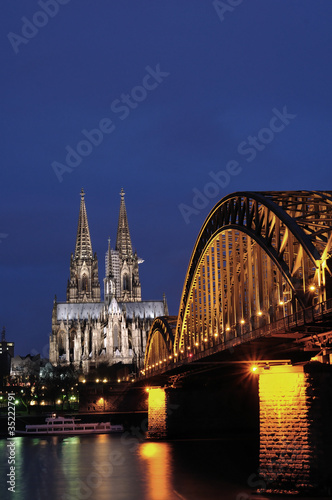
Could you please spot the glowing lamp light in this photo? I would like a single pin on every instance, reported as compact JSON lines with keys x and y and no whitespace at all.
{"x":169,"y":357}
{"x":119,"y":380}
{"x":216,"y":335}
{"x":105,"y":380}
{"x":83,"y":381}
{"x":147,"y":389}
{"x":196,"y":344}
{"x":227,"y":329}
{"x":312,"y":288}
{"x":205,"y":340}
{"x":281,"y":303}
{"x":242,"y":321}
{"x":254,"y":369}
{"x":97,"y":380}
{"x":260,"y":313}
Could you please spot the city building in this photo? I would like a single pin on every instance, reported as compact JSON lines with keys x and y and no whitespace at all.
{"x":88,"y":331}
{"x":25,"y":368}
{"x":6,"y":354}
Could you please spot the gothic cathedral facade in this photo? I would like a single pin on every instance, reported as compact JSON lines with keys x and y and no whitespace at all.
{"x":87,"y":331}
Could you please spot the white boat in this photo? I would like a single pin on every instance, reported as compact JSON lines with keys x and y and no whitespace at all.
{"x":67,"y":425}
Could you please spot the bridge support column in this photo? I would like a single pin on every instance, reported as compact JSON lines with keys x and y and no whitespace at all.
{"x":157,"y":413}
{"x":295,"y":428}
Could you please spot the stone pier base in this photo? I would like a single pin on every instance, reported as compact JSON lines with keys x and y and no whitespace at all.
{"x":157,"y":413}
{"x":296,"y":428}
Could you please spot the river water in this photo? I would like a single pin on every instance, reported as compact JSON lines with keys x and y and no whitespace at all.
{"x":123,"y":467}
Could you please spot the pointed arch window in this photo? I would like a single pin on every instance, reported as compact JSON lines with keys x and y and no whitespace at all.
{"x":62,"y":343}
{"x":115,"y":337}
{"x":130,"y":339}
{"x":84,"y":283}
{"x":125,"y":282}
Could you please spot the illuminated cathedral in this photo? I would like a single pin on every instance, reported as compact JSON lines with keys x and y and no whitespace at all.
{"x":87,"y":331}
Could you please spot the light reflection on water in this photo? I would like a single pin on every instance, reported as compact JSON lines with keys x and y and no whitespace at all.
{"x":113,"y":467}
{"x":156,"y":458}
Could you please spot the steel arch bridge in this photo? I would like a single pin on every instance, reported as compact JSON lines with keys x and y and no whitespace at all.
{"x":259,"y":257}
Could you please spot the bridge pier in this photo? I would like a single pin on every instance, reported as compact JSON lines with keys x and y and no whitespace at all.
{"x":204,"y":406}
{"x":295,"y":404}
{"x":157,"y":413}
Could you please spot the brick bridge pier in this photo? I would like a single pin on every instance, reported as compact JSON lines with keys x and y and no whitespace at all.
{"x":290,"y":407}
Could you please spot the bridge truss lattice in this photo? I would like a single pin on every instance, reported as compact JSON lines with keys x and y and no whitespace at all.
{"x":259,"y":256}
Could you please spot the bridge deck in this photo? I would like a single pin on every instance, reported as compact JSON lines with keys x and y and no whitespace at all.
{"x":302,"y":334}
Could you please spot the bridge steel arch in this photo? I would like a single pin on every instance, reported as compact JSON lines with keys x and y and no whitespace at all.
{"x":159,"y":347}
{"x":260,"y":256}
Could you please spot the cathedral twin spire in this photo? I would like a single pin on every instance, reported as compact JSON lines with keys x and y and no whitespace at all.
{"x":121,"y":276}
{"x":109,"y":266}
{"x":83,"y":248}
{"x":123,"y":240}
{"x":83,"y":285}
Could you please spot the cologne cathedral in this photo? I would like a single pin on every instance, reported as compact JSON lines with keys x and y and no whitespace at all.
{"x":87,"y":331}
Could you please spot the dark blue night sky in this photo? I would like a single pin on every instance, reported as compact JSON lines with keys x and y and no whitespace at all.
{"x":192,"y":100}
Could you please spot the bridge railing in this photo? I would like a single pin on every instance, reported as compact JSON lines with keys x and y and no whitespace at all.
{"x":300,"y":318}
{"x":287,"y":324}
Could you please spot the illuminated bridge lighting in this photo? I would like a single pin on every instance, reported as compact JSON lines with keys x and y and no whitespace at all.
{"x":157,"y":412}
{"x":251,"y":253}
